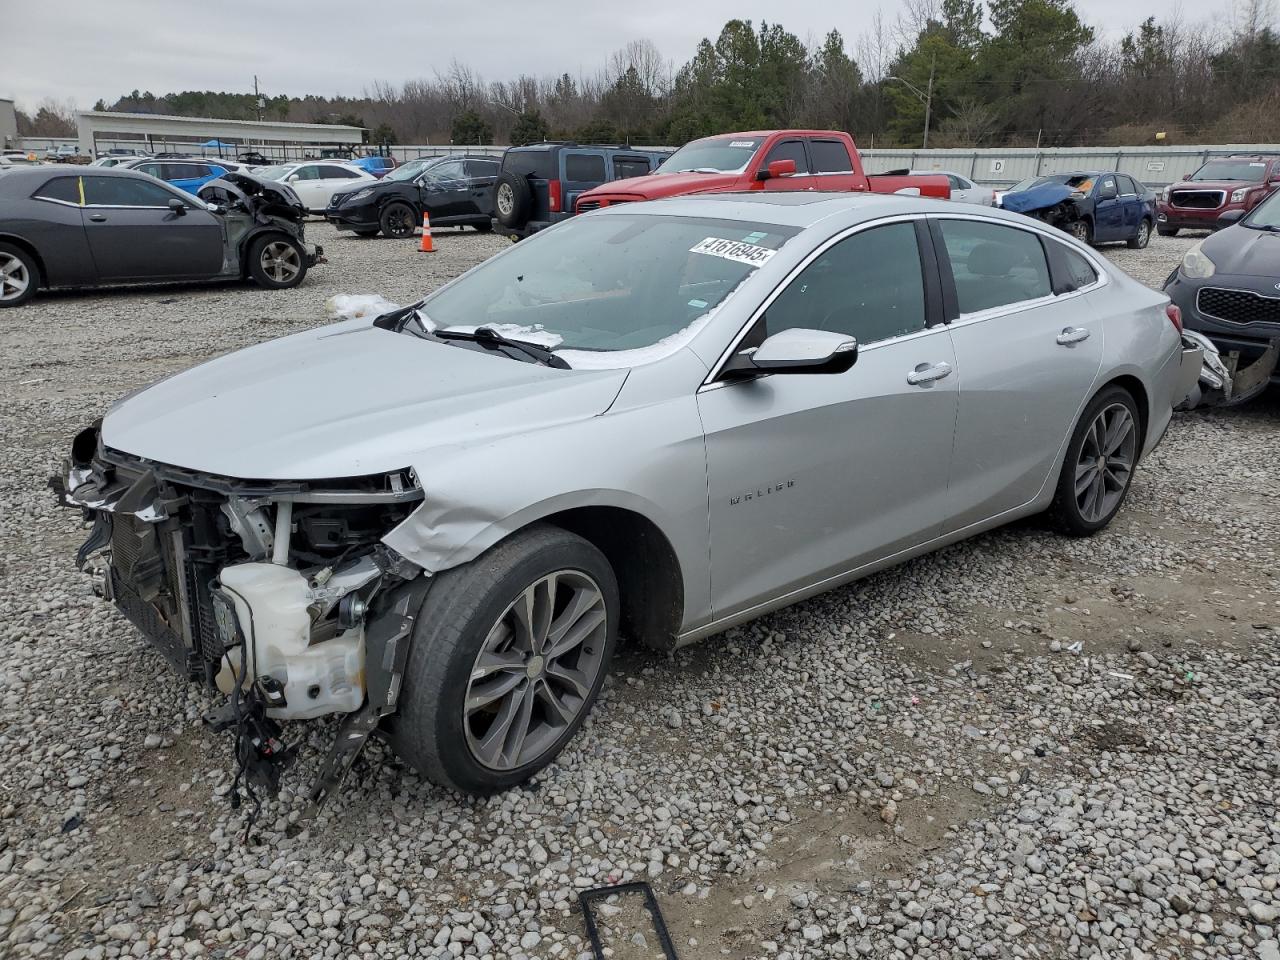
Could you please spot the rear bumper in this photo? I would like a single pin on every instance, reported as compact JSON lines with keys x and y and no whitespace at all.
{"x":530,"y":228}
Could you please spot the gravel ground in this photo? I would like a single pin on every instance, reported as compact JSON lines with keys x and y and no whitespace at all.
{"x":1021,"y":746}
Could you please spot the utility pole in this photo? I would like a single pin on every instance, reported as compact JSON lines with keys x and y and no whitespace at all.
{"x":257,"y":97}
{"x":928,"y":99}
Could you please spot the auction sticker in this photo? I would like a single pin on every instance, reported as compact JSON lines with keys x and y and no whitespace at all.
{"x":736,"y":250}
{"x":749,"y":144}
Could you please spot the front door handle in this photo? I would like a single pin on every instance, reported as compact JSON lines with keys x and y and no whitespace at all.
{"x":1070,"y":335}
{"x":98,"y":217}
{"x":927,"y":373}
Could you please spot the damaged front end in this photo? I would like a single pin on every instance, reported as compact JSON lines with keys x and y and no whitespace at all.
{"x":248,"y":203}
{"x":1231,"y":380}
{"x":281,"y":595}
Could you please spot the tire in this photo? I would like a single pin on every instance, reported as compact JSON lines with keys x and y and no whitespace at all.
{"x":1143,"y":236}
{"x":398,"y":221}
{"x":473,"y":607}
{"x":1082,"y":230}
{"x":1073,"y":511}
{"x":486,"y":227}
{"x":366,"y":233}
{"x":512,"y":200}
{"x":1167,"y":231}
{"x":19,"y":276}
{"x":276,"y":261}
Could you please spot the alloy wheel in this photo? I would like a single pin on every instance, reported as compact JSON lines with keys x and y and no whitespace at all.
{"x":14,"y":277}
{"x":535,"y":671}
{"x":506,"y":199}
{"x":1105,"y":463}
{"x":1080,"y":230}
{"x":280,"y":261}
{"x":1144,"y":234}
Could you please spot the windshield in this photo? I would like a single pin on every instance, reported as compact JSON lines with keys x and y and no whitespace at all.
{"x":713,"y":155}
{"x":1247,"y":170}
{"x":1266,"y":215}
{"x":407,"y":171}
{"x":274,"y":173}
{"x":612,"y":283}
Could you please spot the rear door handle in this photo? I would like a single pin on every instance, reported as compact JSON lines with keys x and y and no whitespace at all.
{"x":1070,"y":335}
{"x":98,"y":217}
{"x":928,"y":372}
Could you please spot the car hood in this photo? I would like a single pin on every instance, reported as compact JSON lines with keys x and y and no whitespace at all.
{"x":345,"y":400}
{"x":656,"y":185}
{"x":1227,"y":185}
{"x":1244,"y":252}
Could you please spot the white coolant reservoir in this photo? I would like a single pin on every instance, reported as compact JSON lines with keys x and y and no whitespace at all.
{"x":271,"y":605}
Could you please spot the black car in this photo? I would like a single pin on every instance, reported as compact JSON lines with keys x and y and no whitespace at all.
{"x":104,"y":225}
{"x":1228,"y":288}
{"x":539,"y":183}
{"x":454,"y":191}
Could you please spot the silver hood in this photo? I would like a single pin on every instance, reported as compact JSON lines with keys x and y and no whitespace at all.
{"x":345,"y":400}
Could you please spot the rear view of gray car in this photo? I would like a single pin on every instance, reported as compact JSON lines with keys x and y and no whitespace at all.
{"x":656,"y":421}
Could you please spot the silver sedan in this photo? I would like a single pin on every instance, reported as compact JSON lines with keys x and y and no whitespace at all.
{"x":658,"y":420}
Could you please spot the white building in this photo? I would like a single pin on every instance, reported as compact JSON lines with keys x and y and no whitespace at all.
{"x":8,"y":123}
{"x":97,"y":131}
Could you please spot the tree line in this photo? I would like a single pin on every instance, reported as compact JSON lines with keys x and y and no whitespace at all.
{"x":1003,"y":72}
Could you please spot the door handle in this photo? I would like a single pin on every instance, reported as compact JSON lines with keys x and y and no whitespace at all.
{"x":98,"y":217}
{"x":927,"y":373}
{"x":1070,"y":335}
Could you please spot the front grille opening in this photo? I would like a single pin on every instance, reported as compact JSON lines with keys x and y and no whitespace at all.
{"x":1198,"y":199}
{"x":1238,"y":306}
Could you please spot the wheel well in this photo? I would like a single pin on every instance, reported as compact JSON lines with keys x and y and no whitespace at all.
{"x":1139,"y":393}
{"x":27,"y":248}
{"x":650,"y":584}
{"x":249,"y":239}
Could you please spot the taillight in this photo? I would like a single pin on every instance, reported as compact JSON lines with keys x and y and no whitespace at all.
{"x":554,"y":195}
{"x":1174,"y":313}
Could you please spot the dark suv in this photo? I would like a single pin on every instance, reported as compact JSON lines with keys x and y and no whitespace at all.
{"x":540,"y":183}
{"x":454,"y":191}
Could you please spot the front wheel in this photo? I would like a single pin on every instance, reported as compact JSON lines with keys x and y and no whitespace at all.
{"x":276,"y":262}
{"x":508,"y":655}
{"x":397,"y":221}
{"x":1099,"y":465}
{"x":1080,"y":230}
{"x":1139,"y":240}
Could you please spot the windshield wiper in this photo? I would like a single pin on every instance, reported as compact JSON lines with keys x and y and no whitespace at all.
{"x":490,"y":337}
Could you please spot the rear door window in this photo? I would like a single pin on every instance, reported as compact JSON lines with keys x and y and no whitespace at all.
{"x":1126,"y":185}
{"x":829,"y":156}
{"x":584,"y":167}
{"x":62,"y":189}
{"x":789,"y":150}
{"x":482,"y":168}
{"x":624,"y":167}
{"x":958,"y":183}
{"x":994,"y":265}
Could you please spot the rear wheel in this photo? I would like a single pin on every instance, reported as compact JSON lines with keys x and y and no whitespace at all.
{"x":1099,"y":465}
{"x":1139,"y":240}
{"x":276,"y":262}
{"x":508,"y":655}
{"x":19,"y":276}
{"x":397,"y":221}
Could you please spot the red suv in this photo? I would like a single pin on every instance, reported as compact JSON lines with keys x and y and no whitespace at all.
{"x":1221,"y":184}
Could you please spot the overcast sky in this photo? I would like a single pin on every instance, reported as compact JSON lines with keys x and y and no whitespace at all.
{"x":81,"y":50}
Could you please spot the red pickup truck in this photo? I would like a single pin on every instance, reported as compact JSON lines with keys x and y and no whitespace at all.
{"x":762,"y":160}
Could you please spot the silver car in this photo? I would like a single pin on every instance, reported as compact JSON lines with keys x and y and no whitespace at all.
{"x":659,"y":420}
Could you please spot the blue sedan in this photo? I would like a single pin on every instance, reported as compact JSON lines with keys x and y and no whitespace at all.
{"x":187,"y":175}
{"x":1096,"y":206}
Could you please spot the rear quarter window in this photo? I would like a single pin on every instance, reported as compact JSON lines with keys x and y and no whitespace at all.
{"x":830,"y":156}
{"x":65,"y":189}
{"x":624,"y":167}
{"x":579,"y":167}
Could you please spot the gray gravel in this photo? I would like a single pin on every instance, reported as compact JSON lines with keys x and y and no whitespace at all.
{"x":1022,"y":746}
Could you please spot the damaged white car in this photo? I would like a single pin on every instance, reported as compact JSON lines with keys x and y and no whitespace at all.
{"x":661,"y":419}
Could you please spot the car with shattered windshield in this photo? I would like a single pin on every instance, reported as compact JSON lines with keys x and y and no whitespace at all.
{"x":107,"y":226}
{"x":654,"y":421}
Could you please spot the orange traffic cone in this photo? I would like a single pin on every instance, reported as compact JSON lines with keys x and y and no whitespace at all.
{"x":426,"y":234}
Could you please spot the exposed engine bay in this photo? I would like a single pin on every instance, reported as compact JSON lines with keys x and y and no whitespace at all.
{"x":280,"y":595}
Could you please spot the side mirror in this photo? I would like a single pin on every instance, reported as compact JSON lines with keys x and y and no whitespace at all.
{"x":797,"y":351}
{"x":177,"y":206}
{"x":292,"y":178}
{"x":779,"y":168}
{"x":1230,"y":218}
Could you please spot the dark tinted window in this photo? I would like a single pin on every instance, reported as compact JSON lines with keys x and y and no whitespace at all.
{"x":337,"y":173}
{"x":1106,"y":187}
{"x":789,"y":150}
{"x":994,"y":265}
{"x":540,"y":163}
{"x":124,"y":192}
{"x":1126,"y":185}
{"x":829,"y":156}
{"x":869,"y":285}
{"x":1080,"y":272}
{"x":624,"y":167}
{"x":482,"y":168}
{"x":579,"y":167}
{"x":61,"y":188}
